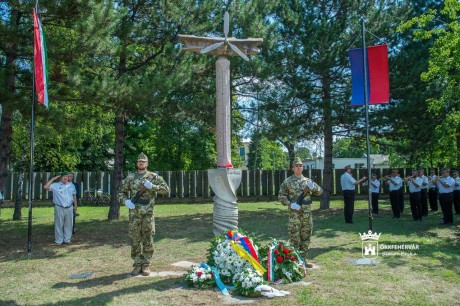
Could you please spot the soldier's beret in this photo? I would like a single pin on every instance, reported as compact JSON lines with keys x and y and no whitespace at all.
{"x":297,"y":161}
{"x":142,"y":157}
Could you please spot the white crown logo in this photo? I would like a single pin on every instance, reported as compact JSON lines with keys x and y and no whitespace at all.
{"x":370,"y":236}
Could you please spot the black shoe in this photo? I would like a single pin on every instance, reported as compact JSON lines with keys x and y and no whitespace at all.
{"x":349,"y":222}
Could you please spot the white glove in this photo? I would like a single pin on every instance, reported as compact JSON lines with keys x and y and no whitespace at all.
{"x":148,"y":185}
{"x":130,"y":204}
{"x":295,"y":206}
{"x":310,"y":185}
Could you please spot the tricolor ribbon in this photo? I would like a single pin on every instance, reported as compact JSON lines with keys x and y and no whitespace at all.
{"x":244,"y":254}
{"x":245,"y":242}
{"x":271,"y":263}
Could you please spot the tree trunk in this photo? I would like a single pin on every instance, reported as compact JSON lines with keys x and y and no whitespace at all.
{"x":6,"y":130}
{"x":19,"y":195}
{"x":117,"y":177}
{"x":327,"y":172}
{"x":291,"y":152}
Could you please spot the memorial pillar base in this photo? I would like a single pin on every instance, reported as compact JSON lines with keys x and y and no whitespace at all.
{"x":224,"y":183}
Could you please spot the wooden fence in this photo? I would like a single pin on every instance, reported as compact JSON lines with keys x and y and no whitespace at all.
{"x":190,"y":184}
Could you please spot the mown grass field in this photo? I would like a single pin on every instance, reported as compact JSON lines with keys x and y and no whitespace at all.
{"x":431,"y":277}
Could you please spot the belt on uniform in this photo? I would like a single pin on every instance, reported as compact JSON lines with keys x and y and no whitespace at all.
{"x":63,"y":206}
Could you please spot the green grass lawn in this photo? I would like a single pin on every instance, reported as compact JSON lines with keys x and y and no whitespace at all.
{"x":183,"y":231}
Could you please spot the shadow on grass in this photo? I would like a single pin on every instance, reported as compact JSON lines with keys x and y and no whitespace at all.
{"x":93,"y":282}
{"x":108,"y":297}
{"x":8,"y":303}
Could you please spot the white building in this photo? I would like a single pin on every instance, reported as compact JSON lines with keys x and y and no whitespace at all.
{"x":377,"y":161}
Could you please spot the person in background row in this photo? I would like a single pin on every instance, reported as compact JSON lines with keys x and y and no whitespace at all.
{"x":77,"y":195}
{"x":433,"y":190}
{"x":300,"y":213}
{"x":446,"y":190}
{"x":348,"y":184}
{"x":375,"y":190}
{"x":145,"y":185}
{"x":456,"y":192}
{"x":424,"y":192}
{"x":415,"y":189}
{"x":401,"y":195}
{"x":65,"y":203}
{"x":394,"y":183}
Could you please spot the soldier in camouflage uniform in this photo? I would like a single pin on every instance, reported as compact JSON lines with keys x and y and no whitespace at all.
{"x":300,"y":215}
{"x":143,"y":186}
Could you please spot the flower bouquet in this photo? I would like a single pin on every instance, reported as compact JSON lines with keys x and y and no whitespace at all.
{"x":200,"y":277}
{"x":247,"y":281}
{"x":283,"y":263}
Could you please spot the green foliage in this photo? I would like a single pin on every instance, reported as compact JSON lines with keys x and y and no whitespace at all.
{"x":171,"y":144}
{"x":265,"y":154}
{"x":442,"y":27}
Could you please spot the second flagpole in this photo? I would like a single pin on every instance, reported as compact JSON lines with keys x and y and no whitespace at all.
{"x":366,"y":103}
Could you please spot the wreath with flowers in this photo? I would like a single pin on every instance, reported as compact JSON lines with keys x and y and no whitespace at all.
{"x":200,"y":277}
{"x":236,"y":262}
{"x":283,"y":262}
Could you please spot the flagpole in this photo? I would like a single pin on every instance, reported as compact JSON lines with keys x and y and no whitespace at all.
{"x":366,"y":103}
{"x":31,"y":166}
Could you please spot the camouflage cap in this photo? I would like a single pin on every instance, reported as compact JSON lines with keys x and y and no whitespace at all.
{"x":297,"y":161}
{"x":142,"y":157}
{"x":63,"y":173}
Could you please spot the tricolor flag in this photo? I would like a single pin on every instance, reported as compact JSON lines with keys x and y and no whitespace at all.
{"x":378,"y":83}
{"x":40,"y":62}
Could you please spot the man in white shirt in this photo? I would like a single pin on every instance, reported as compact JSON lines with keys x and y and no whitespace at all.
{"x":394,"y":183}
{"x":348,"y":189}
{"x":65,"y":203}
{"x":375,"y":192}
{"x":456,"y":192}
{"x":415,"y":189}
{"x":446,"y":190}
{"x":424,"y":192}
{"x":433,"y":190}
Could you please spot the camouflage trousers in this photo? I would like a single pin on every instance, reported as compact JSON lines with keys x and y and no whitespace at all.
{"x":141,"y":232}
{"x":300,"y":229}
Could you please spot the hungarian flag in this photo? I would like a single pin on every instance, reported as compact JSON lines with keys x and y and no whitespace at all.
{"x":40,"y":62}
{"x":378,"y":83}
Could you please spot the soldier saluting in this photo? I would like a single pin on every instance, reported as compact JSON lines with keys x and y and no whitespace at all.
{"x":143,"y":186}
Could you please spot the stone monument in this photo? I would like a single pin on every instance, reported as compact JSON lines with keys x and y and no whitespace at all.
{"x":224,"y":180}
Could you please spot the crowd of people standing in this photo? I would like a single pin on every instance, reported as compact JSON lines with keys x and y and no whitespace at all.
{"x":423,"y":191}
